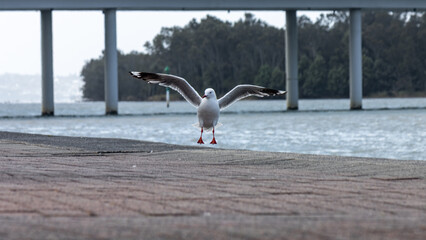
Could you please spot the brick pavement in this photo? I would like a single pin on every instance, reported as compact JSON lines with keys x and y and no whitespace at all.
{"x":86,"y":188}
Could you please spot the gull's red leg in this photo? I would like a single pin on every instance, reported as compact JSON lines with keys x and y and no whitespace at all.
{"x":214,"y":140}
{"x":200,"y":141}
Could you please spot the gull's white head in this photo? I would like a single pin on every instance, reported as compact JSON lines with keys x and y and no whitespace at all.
{"x":209,"y":93}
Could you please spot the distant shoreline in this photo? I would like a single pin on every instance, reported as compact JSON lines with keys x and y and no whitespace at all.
{"x":160,"y":98}
{"x":248,"y":99}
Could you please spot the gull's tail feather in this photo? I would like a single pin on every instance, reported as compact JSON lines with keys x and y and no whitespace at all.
{"x":197,"y":125}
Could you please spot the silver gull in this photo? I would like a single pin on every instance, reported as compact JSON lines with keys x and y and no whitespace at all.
{"x":208,"y":106}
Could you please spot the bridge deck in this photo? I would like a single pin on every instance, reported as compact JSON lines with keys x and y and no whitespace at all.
{"x":211,"y":5}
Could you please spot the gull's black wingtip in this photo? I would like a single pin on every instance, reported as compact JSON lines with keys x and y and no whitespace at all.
{"x":135,"y":74}
{"x":145,"y":75}
{"x":273,"y":92}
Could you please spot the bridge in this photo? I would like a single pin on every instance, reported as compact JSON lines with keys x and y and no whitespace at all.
{"x":110,"y":7}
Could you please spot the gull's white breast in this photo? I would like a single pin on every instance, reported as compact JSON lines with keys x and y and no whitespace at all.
{"x":208,"y":113}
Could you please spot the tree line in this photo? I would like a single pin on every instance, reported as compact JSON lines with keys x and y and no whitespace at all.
{"x":220,"y":54}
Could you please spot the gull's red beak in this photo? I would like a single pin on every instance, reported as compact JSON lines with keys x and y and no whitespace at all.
{"x":203,"y":96}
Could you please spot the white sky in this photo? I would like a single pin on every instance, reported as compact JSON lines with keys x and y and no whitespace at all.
{"x":78,"y":36}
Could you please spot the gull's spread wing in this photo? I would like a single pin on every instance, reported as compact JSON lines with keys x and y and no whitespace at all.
{"x":174,"y":82}
{"x":243,"y":91}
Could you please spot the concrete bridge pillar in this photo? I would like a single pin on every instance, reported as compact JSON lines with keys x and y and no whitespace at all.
{"x":47,"y":105}
{"x":355,"y":60}
{"x":111,"y":65}
{"x":291,"y":49}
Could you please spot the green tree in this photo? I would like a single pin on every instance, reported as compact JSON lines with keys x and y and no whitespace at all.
{"x":93,"y":77}
{"x":316,"y":79}
{"x":220,"y":54}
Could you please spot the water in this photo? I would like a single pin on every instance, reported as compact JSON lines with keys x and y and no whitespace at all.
{"x":67,"y":88}
{"x":387,"y":128}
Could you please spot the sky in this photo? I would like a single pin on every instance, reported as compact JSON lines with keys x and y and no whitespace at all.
{"x":78,"y":36}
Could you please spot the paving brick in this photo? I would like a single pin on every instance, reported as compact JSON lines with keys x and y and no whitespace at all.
{"x":87,"y":188}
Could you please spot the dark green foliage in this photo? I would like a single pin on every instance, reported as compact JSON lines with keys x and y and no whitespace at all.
{"x":271,"y":77}
{"x":217,"y":54}
{"x":93,"y":77}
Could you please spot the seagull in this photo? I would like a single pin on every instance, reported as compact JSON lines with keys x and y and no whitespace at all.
{"x":208,"y":106}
